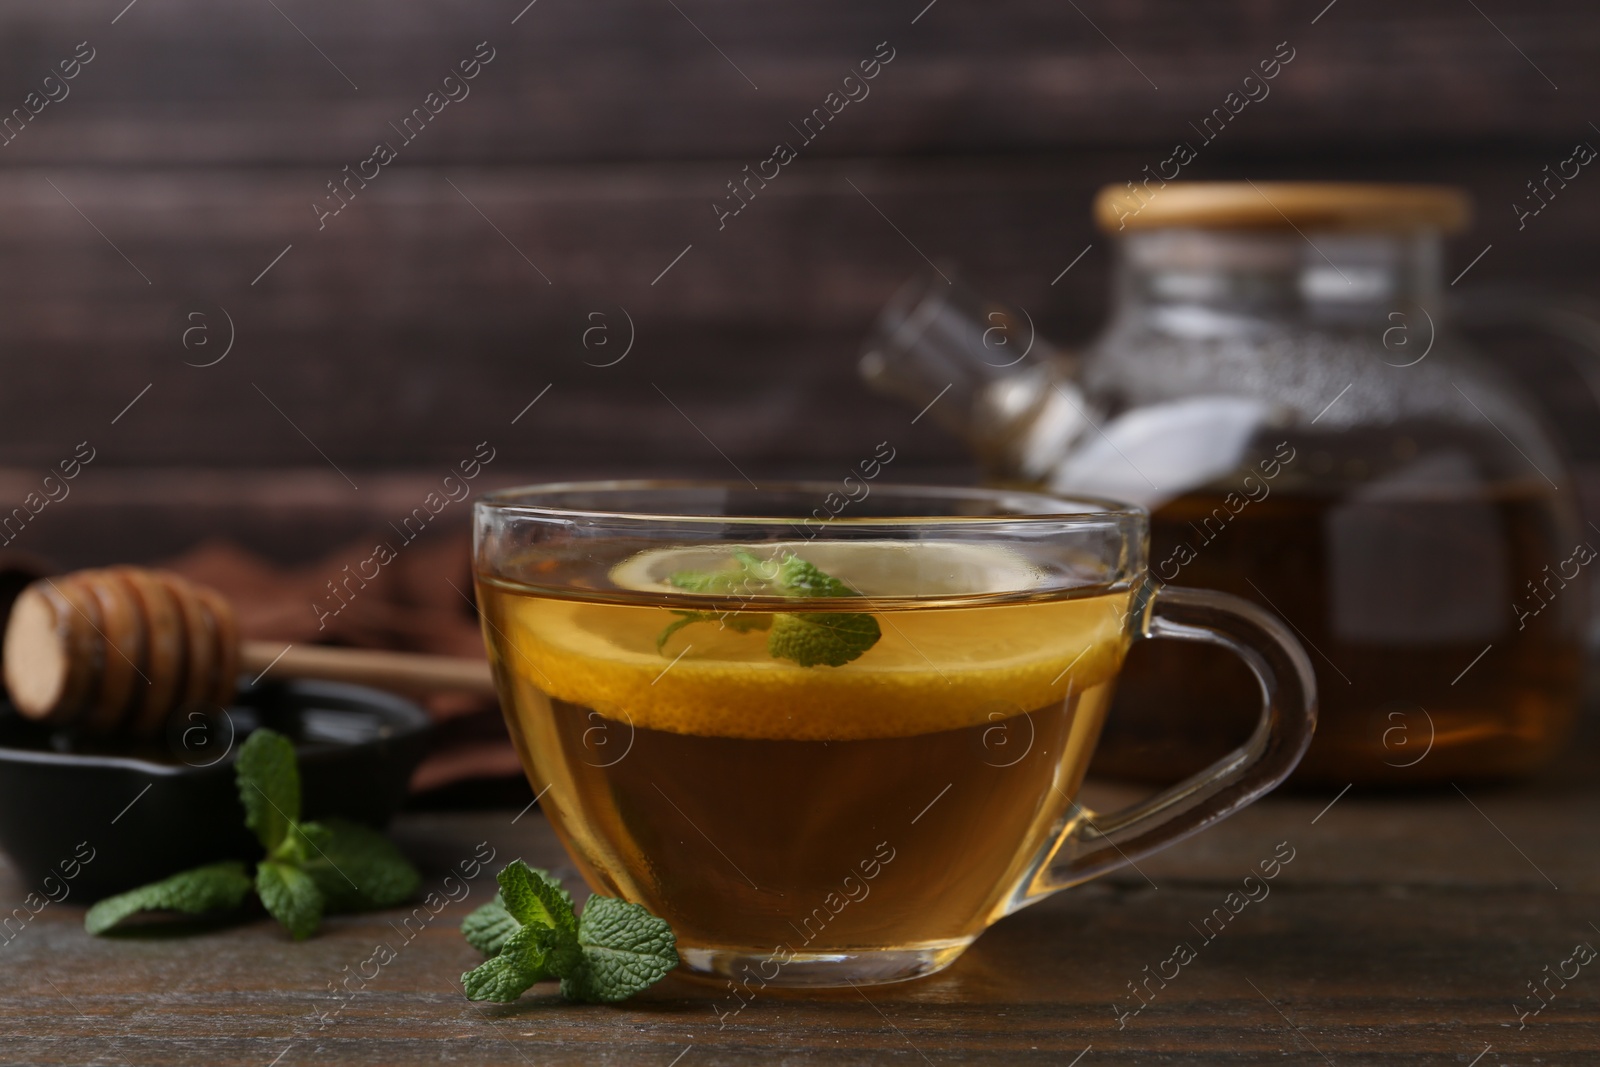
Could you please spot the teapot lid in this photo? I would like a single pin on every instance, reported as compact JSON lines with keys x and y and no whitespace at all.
{"x":1251,"y":205}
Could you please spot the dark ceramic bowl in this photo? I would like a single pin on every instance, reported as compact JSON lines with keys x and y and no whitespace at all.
{"x":146,"y":814}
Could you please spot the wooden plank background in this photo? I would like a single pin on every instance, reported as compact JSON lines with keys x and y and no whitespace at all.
{"x":459,"y":283}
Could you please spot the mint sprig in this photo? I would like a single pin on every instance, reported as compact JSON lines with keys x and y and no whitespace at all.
{"x":310,"y":868}
{"x":807,"y":638}
{"x":531,"y":934}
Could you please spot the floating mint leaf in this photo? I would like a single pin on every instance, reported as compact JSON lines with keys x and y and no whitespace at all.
{"x":750,"y":575}
{"x":800,"y":578}
{"x":738,"y":621}
{"x":822,"y":638}
{"x":809,"y":639}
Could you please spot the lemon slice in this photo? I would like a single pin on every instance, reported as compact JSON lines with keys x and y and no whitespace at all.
{"x":873,"y":568}
{"x":935,"y":668}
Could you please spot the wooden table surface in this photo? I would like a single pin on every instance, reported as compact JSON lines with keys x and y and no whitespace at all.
{"x":1404,"y":929}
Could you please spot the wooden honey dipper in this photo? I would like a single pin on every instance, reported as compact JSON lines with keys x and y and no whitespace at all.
{"x":119,"y":650}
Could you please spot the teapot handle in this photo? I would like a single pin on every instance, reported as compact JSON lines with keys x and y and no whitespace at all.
{"x":1575,"y":319}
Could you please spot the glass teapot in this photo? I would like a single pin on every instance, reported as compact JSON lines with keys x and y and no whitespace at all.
{"x":1280,"y":385}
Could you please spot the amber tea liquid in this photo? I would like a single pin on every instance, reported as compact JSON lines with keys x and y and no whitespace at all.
{"x":1407,"y":604}
{"x":792,"y":814}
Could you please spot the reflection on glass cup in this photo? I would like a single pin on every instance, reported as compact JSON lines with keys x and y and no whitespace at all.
{"x":836,"y":752}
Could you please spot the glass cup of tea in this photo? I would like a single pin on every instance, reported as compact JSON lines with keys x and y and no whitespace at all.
{"x":831,"y":732}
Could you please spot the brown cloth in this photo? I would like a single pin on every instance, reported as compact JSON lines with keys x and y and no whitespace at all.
{"x":421,"y":601}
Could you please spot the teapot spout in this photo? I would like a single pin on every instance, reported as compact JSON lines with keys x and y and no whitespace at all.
{"x":981,"y":370}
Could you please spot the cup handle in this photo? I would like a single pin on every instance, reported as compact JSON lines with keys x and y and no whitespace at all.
{"x":1091,"y":844}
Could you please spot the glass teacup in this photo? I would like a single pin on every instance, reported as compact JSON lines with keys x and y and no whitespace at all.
{"x":832,"y":732}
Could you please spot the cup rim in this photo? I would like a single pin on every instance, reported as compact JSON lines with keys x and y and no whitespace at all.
{"x":1072,"y":509}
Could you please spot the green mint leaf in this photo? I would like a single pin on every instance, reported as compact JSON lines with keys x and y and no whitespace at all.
{"x":487,"y":927}
{"x":501,"y":979}
{"x":529,"y":956}
{"x":833,"y":639}
{"x":817,"y":637}
{"x":309,"y":867}
{"x":356,"y":867}
{"x":810,"y":639}
{"x":210,"y":888}
{"x":612,"y":952}
{"x":737,"y":621}
{"x":534,"y":898}
{"x":625,"y":950}
{"x":750,"y":575}
{"x":706,"y":581}
{"x":687,"y":617}
{"x":799,"y":578}
{"x":299,"y":841}
{"x":290,"y":896}
{"x":269,"y":786}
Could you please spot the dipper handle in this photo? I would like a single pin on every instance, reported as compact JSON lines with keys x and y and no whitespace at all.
{"x":410,"y":671}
